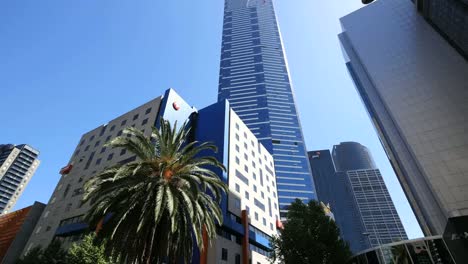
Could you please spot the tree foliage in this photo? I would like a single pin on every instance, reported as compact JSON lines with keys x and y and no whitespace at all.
{"x":89,"y":251}
{"x":309,"y":237}
{"x":160,"y":203}
{"x":53,"y":254}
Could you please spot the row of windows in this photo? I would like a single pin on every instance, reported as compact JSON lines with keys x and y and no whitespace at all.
{"x":123,"y":123}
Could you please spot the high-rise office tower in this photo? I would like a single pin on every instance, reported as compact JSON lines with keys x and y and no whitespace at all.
{"x":254,"y":78}
{"x":449,"y":18}
{"x":335,"y":190}
{"x":379,"y":216}
{"x":250,"y":209}
{"x":413,"y":84}
{"x":17,"y":166}
{"x":357,"y":195}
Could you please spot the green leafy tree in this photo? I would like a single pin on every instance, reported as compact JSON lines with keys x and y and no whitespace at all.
{"x":309,"y":237}
{"x":89,"y":251}
{"x":53,"y":254}
{"x":159,"y":204}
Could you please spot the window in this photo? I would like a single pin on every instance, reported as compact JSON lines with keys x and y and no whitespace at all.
{"x":237,"y":160}
{"x":271,"y":226}
{"x":237,"y":136}
{"x":259,"y":204}
{"x":237,"y":148}
{"x":77,"y":191}
{"x":245,"y":135}
{"x":264,"y":221}
{"x":92,"y":138}
{"x":224,"y":254}
{"x":246,"y":195}
{"x":123,"y":123}
{"x":256,"y":216}
{"x":123,"y":151}
{"x":119,"y":133}
{"x":246,"y":168}
{"x":112,"y":128}
{"x":254,"y":175}
{"x":103,"y":149}
{"x":86,"y":149}
{"x":145,"y":121}
{"x":253,"y":164}
{"x":82,"y":142}
{"x":246,"y":157}
{"x":98,"y":161}
{"x":237,"y":203}
{"x":255,"y":188}
{"x":238,"y":259}
{"x":135,"y":117}
{"x":66,"y":191}
{"x":242,"y":177}
{"x":237,"y":126}
{"x":67,"y":209}
{"x":237,"y":188}
{"x":110,"y":156}
{"x":263,"y":195}
{"x":108,"y":138}
{"x":245,"y":145}
{"x":47,"y":228}
{"x":253,"y":143}
{"x":253,"y":153}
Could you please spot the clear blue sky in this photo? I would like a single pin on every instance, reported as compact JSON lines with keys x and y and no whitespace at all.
{"x":69,"y":66}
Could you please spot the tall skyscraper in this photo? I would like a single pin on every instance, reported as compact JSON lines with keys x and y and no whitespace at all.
{"x":333,"y":188}
{"x":357,"y":195}
{"x":17,"y":166}
{"x":413,"y":84}
{"x":450,"y":19}
{"x":378,"y":213}
{"x":250,"y":208}
{"x":254,"y":78}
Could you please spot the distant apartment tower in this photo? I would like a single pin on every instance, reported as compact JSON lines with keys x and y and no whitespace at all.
{"x":250,"y":210}
{"x":357,"y":195}
{"x":254,"y":77}
{"x":413,"y":84}
{"x":17,"y":166}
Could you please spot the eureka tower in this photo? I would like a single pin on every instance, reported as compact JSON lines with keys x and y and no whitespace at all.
{"x":254,"y":78}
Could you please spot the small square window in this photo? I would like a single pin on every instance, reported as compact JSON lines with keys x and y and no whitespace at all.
{"x":98,"y":161}
{"x":103,"y":149}
{"x":268,"y":189}
{"x":246,"y":146}
{"x":108,"y":138}
{"x":246,"y":169}
{"x":86,"y":149}
{"x":123,"y":151}
{"x":253,"y":143}
{"x":237,"y":126}
{"x":237,"y":136}
{"x":253,"y":153}
{"x":224,"y":254}
{"x":237,"y":148}
{"x":256,"y":216}
{"x":112,"y":128}
{"x":148,"y":111}
{"x":82,"y":142}
{"x":255,"y":188}
{"x":264,"y":221}
{"x":237,"y":160}
{"x":263,"y":195}
{"x":247,"y":209}
{"x":238,"y":259}
{"x":237,"y":188}
{"x":145,"y":121}
{"x":246,"y":157}
{"x":254,"y":175}
{"x":271,"y":226}
{"x":119,"y":133}
{"x":135,"y":117}
{"x":246,"y":195}
{"x":92,"y":138}
{"x":245,"y":135}
{"x":253,"y":164}
{"x":123,"y":123}
{"x":110,"y":156}
{"x":97,"y":143}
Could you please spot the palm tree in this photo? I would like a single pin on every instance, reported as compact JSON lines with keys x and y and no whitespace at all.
{"x":158,"y":205}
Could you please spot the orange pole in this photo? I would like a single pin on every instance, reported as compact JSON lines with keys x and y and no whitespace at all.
{"x":204,"y":252}
{"x":245,"y":239}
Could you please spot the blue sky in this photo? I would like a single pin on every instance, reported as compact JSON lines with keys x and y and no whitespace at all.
{"x":69,"y":66}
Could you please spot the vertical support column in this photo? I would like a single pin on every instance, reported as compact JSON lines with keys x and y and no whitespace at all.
{"x":245,"y":239}
{"x":204,"y":252}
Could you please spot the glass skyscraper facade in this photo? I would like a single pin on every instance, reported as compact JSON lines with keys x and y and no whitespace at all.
{"x":254,"y":78}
